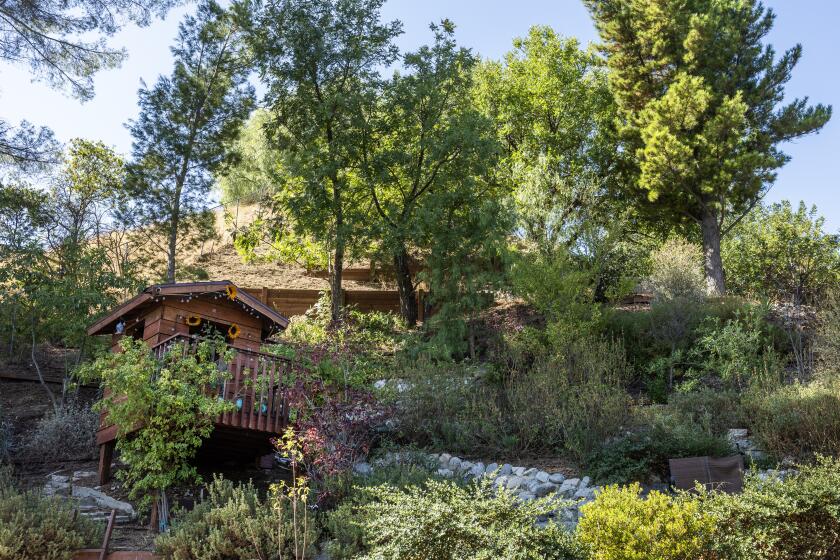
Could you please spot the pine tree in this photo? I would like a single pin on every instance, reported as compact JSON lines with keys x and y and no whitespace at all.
{"x":186,"y":125}
{"x":700,"y":98}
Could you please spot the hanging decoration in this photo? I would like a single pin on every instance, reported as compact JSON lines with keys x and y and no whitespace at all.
{"x":193,"y":320}
{"x":231,"y":292}
{"x":233,"y":331}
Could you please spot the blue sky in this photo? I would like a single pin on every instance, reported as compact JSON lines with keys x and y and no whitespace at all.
{"x":488,"y":27}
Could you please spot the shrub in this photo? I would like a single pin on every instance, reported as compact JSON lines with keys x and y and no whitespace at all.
{"x":34,"y":527}
{"x":343,"y":524}
{"x":782,"y":253}
{"x":663,"y":433}
{"x":780,"y":520}
{"x":658,"y":341}
{"x":828,"y":335}
{"x":622,"y":525}
{"x":737,"y":351}
{"x":714,"y":411}
{"x":232,"y":523}
{"x":677,"y":271}
{"x":354,"y":354}
{"x":442,"y":520}
{"x":342,"y":430}
{"x":571,"y":399}
{"x":66,"y":434}
{"x":797,"y":420}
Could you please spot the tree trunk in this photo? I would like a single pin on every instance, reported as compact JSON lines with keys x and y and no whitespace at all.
{"x":336,"y":295}
{"x":712,"y":262}
{"x":405,"y":287}
{"x":173,"y":243}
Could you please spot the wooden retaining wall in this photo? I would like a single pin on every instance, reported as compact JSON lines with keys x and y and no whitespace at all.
{"x":292,"y":302}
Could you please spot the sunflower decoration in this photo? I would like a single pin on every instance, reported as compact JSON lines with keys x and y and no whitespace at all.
{"x":233,"y":331}
{"x":231,"y":292}
{"x":193,"y":320}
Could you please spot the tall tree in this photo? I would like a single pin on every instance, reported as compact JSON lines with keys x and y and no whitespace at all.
{"x":63,"y":43}
{"x":426,"y":141}
{"x":553,"y":110}
{"x":320,"y":61}
{"x":186,"y":125}
{"x":700,"y":108}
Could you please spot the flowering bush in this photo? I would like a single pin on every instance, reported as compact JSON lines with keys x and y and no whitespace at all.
{"x":341,"y":431}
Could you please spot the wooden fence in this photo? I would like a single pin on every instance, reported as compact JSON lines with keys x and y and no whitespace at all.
{"x":291,"y":302}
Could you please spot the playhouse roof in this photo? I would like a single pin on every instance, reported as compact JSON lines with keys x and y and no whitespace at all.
{"x":150,"y":295}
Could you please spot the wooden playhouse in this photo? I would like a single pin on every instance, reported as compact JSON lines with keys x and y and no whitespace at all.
{"x":168,"y":314}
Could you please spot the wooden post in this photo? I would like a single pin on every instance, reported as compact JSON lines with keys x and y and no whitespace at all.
{"x":106,"y":455}
{"x":264,"y":295}
{"x":106,"y":540}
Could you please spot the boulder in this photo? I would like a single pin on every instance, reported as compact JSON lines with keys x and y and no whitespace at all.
{"x":363,"y":468}
{"x":544,"y":489}
{"x":557,"y":478}
{"x":515,"y":482}
{"x":507,"y":468}
{"x":102,"y":500}
{"x":542,"y":476}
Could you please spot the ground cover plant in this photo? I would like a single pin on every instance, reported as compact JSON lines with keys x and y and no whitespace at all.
{"x":234,"y":522}
{"x":36,"y":527}
{"x":441,"y":520}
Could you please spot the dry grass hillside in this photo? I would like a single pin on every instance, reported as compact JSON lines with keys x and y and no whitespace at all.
{"x":221,"y":261}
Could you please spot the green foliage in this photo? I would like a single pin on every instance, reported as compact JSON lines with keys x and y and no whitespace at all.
{"x":233,"y":523}
{"x":714,"y":410}
{"x":164,"y":405}
{"x":622,"y":525}
{"x":569,"y":399}
{"x":184,"y":129}
{"x":65,"y":434}
{"x":658,"y":342}
{"x":59,"y":267}
{"x":738,"y":351}
{"x":677,"y":271}
{"x":321,"y":83}
{"x":441,"y":520}
{"x":779,"y":520}
{"x":353,"y":354}
{"x":34,"y":527}
{"x":559,"y":289}
{"x":344,"y":524}
{"x":429,"y":164}
{"x":781,"y":253}
{"x":661,"y":432}
{"x":796,"y":420}
{"x":553,"y":110}
{"x":699,"y":95}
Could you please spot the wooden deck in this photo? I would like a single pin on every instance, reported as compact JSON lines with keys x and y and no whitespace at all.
{"x":257,"y":386}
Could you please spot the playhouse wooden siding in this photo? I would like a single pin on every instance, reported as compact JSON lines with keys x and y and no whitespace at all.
{"x":291,"y":302}
{"x":170,"y":318}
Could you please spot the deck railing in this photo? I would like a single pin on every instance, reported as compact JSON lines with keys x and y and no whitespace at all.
{"x":256,"y":385}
